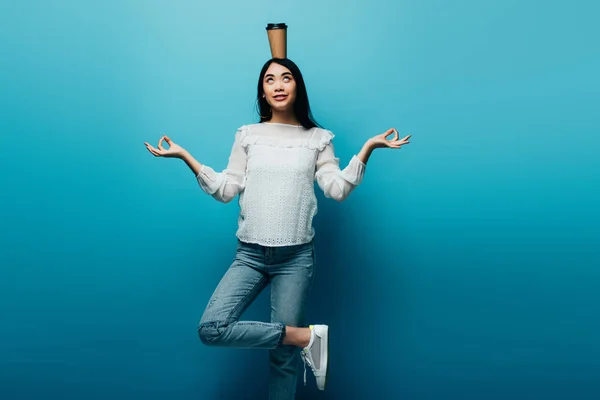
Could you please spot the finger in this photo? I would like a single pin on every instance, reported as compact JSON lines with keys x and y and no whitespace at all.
{"x":396,"y":134}
{"x":406,"y":137}
{"x":386,"y":133}
{"x":168,"y":140}
{"x":160,"y":143}
{"x":153,"y":150}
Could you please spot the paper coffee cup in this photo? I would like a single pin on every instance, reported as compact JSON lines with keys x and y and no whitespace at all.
{"x":277,"y":34}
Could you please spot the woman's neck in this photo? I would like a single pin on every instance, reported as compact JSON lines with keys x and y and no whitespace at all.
{"x":284,"y":118}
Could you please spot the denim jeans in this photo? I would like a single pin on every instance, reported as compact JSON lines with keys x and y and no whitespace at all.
{"x":289,"y":270}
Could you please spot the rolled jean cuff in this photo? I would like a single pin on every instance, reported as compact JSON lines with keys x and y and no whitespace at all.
{"x":281,"y":335}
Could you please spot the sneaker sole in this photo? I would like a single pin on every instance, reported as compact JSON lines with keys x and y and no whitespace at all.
{"x":325,"y":354}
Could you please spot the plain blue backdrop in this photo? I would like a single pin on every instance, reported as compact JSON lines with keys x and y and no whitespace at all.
{"x":466,"y":266}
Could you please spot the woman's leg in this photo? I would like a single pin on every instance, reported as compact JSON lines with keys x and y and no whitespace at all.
{"x":241,"y":284}
{"x":291,"y":279}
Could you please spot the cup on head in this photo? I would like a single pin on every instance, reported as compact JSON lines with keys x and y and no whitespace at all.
{"x":277,"y":34}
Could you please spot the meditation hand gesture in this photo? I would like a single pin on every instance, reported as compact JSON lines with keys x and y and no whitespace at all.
{"x":174,"y":150}
{"x":381,"y":141}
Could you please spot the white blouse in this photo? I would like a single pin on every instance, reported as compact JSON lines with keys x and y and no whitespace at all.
{"x":273,"y":167}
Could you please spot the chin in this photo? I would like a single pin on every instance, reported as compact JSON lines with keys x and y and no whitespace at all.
{"x":282,"y":107}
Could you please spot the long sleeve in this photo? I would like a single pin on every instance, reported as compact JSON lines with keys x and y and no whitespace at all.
{"x":225,"y":185}
{"x":335,"y":182}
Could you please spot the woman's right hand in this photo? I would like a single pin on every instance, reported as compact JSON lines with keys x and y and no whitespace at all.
{"x":174,"y":150}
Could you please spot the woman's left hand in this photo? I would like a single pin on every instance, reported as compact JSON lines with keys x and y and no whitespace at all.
{"x":381,"y":141}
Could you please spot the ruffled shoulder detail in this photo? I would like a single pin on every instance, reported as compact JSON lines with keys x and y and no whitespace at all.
{"x":324,"y":138}
{"x":241,"y":134}
{"x":317,"y":139}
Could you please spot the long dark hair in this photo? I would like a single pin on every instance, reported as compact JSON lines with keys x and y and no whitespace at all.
{"x":301,"y":105}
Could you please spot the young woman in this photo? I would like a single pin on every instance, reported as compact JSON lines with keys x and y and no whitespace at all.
{"x":272,"y":167}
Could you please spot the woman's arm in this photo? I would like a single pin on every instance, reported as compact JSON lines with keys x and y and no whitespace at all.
{"x":225,"y":185}
{"x":337,"y":183}
{"x":222,"y":186}
{"x":366,"y":151}
{"x":191,"y":162}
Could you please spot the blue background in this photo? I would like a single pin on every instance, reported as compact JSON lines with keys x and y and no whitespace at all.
{"x":466,"y":266}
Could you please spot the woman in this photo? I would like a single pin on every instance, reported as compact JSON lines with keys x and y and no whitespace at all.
{"x":272,"y":167}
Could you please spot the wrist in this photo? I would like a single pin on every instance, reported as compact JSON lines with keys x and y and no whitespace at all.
{"x":184,"y":155}
{"x":370,"y":145}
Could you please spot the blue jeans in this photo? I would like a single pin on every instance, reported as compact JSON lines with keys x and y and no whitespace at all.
{"x":289,"y":270}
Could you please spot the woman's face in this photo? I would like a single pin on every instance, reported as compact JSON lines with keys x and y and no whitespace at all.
{"x":279,"y":87}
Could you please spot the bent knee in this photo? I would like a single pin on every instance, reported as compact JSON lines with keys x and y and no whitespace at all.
{"x":210,"y":333}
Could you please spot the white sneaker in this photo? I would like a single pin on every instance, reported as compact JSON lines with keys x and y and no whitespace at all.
{"x":315,"y":354}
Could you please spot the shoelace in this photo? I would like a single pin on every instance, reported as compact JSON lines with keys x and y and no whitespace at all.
{"x":306,"y":360}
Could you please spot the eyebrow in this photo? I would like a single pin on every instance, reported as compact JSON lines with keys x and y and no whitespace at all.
{"x":285,"y":73}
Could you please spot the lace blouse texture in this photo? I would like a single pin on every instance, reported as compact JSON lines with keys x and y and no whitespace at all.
{"x":273,"y":168}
